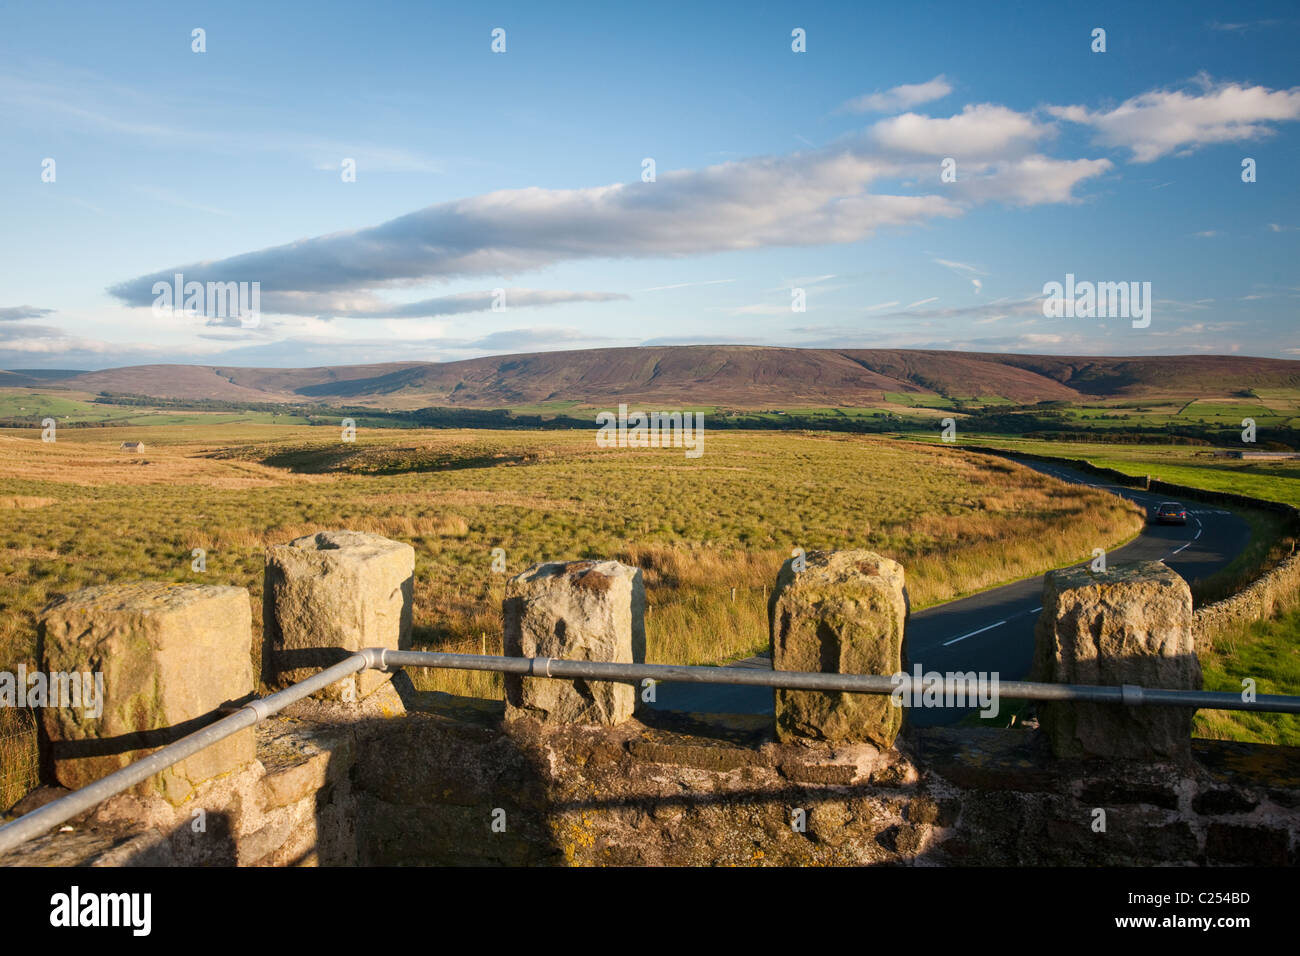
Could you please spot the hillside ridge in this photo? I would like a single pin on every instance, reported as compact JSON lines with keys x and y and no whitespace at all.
{"x":739,"y":376}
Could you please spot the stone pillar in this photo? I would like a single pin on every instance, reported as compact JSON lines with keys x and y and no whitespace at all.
{"x":843,"y":614}
{"x":579,"y":610}
{"x":165,"y":657}
{"x":330,"y":594}
{"x":1129,"y":624}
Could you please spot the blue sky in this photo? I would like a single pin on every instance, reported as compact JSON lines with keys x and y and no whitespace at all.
{"x":522,"y":171}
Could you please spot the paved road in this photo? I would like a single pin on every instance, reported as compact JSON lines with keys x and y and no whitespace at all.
{"x":994,"y":630}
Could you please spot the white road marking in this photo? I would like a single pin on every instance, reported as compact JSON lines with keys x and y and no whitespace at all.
{"x":1176,"y":550}
{"x":973,"y":633}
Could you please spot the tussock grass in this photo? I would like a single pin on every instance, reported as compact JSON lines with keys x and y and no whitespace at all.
{"x":18,"y":759}
{"x":25,"y":501}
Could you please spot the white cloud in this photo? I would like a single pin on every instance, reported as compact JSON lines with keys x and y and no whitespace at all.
{"x":981,"y":132}
{"x":1029,"y":180}
{"x":818,"y":197}
{"x":1242,"y":27}
{"x":900,"y":97}
{"x":16,"y":313}
{"x":1164,"y":121}
{"x":960,"y":267}
{"x":802,"y":199}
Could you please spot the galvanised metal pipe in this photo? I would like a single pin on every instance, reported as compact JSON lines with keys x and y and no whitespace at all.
{"x":845,"y":683}
{"x":65,"y":808}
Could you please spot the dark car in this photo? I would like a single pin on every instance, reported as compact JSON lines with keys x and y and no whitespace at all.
{"x":1170,"y":512}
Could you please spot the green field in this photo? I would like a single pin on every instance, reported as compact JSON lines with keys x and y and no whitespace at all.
{"x":548,"y":408}
{"x":1276,"y":413}
{"x":918,"y":399}
{"x":1269,"y":652}
{"x":21,"y":403}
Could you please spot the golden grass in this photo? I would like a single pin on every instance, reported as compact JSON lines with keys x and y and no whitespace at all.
{"x":18,"y":759}
{"x":25,"y":501}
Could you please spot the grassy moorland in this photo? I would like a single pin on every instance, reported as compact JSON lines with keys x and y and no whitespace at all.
{"x":79,"y":512}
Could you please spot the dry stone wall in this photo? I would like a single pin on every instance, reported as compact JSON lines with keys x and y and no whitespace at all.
{"x":452,"y":782}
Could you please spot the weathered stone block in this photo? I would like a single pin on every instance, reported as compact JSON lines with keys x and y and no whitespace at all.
{"x":1130,"y":624}
{"x":579,"y":610}
{"x":843,"y":614}
{"x":330,"y":594}
{"x":291,"y":784}
{"x":170,"y":656}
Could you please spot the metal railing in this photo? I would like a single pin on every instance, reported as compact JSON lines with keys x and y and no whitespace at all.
{"x":65,"y":808}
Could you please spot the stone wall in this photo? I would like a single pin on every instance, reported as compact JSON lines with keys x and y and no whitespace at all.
{"x":427,"y":788}
{"x":1273,"y":592}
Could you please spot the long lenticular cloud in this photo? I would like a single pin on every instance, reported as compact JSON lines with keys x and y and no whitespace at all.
{"x":817,"y":197}
{"x":803,"y":199}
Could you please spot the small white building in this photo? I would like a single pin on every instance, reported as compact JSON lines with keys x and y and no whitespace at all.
{"x":132,"y":446}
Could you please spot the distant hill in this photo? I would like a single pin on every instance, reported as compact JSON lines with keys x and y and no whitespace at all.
{"x":734,"y":376}
{"x":29,"y":377}
{"x":1165,"y":374}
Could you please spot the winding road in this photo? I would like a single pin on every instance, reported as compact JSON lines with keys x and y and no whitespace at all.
{"x":993,"y":631}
